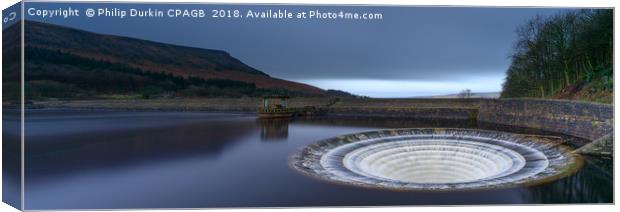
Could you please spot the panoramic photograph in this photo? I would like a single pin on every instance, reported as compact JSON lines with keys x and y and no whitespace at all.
{"x":141,"y":106}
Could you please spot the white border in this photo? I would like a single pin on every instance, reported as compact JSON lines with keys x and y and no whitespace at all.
{"x":496,"y":3}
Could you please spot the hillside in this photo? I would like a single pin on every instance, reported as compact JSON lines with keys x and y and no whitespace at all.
{"x":64,"y":62}
{"x":11,"y":66}
{"x":597,"y":90}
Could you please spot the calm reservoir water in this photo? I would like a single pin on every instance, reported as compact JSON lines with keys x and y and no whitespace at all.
{"x":77,"y":159}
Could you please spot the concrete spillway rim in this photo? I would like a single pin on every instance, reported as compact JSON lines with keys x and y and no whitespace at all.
{"x":563,"y":160}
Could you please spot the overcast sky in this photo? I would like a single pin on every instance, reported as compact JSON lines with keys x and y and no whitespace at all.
{"x":412,"y":51}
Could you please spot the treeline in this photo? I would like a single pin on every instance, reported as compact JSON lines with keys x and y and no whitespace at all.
{"x":569,"y":49}
{"x":56,"y":74}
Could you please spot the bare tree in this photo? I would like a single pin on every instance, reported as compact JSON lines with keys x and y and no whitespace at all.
{"x":465,"y":93}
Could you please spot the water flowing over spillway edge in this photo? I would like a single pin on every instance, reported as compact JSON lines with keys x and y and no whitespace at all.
{"x":437,"y":159}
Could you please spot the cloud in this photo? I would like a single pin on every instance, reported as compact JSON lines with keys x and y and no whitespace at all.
{"x":383,"y":88}
{"x":421,"y":50}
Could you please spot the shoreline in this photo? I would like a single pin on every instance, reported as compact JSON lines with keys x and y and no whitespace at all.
{"x":584,"y":120}
{"x":366,"y":107}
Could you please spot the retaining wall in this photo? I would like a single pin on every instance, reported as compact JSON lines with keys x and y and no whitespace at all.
{"x":580,"y":119}
{"x":418,"y":113}
{"x":407,"y":108}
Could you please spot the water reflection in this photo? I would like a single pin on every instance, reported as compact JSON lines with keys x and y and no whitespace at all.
{"x":93,"y":142}
{"x":277,"y":129}
{"x":570,"y":140}
{"x":597,"y":173}
{"x":273,"y":129}
{"x":115,"y":159}
{"x":11,"y":156}
{"x":389,"y":122}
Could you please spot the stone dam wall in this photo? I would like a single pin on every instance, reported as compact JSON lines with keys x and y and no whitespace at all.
{"x":460,"y":109}
{"x":585,"y":120}
{"x":419,"y":113}
{"x":603,"y":146}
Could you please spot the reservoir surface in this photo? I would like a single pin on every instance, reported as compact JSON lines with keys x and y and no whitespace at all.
{"x":79,"y":159}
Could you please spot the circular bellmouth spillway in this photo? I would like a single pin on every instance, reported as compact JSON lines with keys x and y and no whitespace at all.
{"x":437,"y":159}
